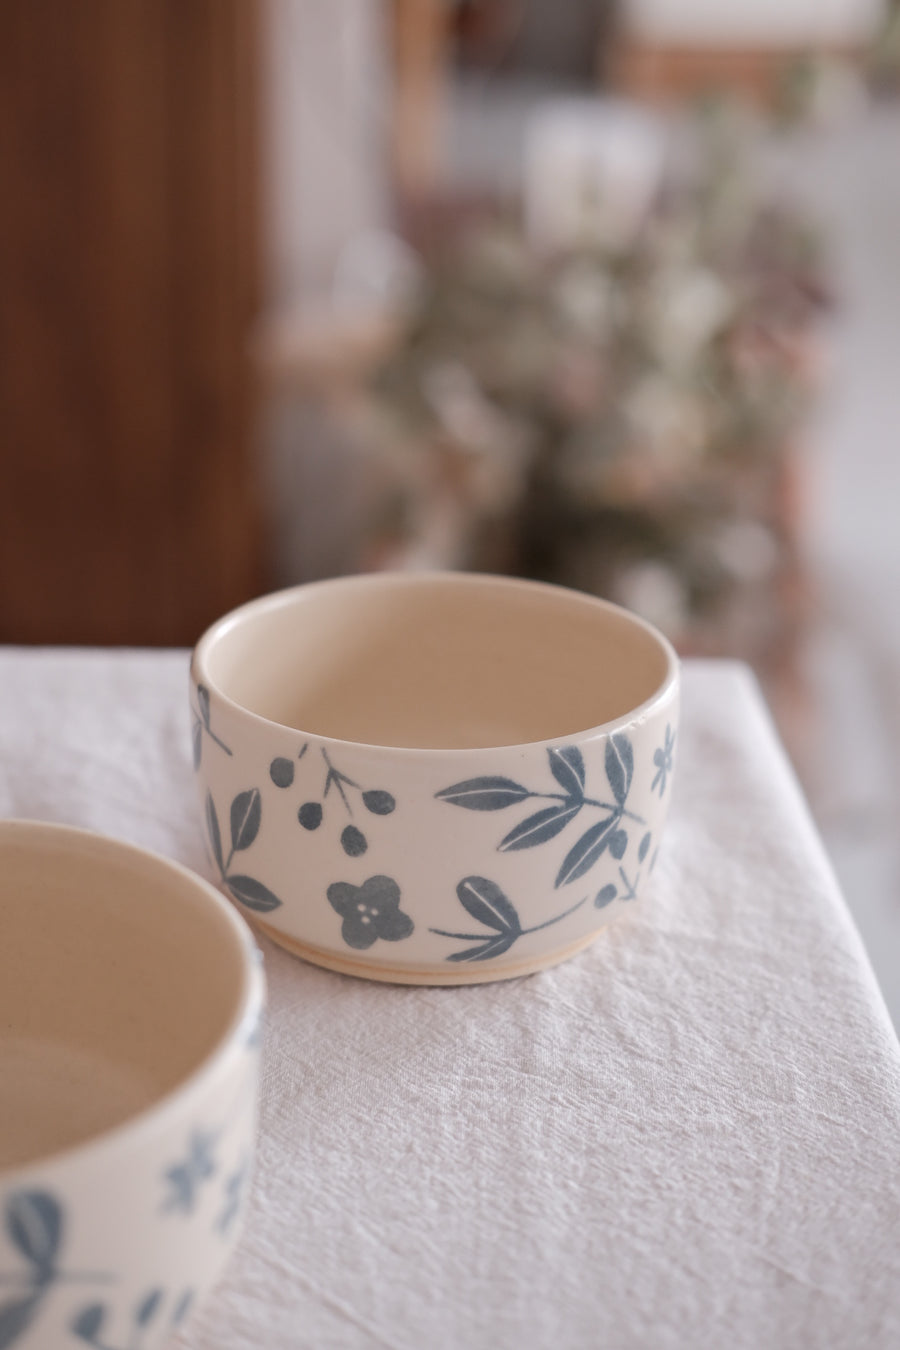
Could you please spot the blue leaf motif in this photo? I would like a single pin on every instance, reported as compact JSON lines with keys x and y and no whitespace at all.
{"x":496,"y":792}
{"x":148,"y":1308}
{"x":644,"y":846}
{"x":379,"y":802}
{"x":619,"y":765}
{"x":585,"y":852}
{"x":34,"y":1222}
{"x":15,"y":1317}
{"x":252,"y":893}
{"x":618,"y":842}
{"x":246,"y":814}
{"x":197,"y":742}
{"x":495,"y":946}
{"x":567,"y":767}
{"x":492,"y":793}
{"x":88,"y":1323}
{"x":182,"y":1307}
{"x":203,"y":702}
{"x":485,"y":901}
{"x":540,"y":827}
{"x":215,"y":836}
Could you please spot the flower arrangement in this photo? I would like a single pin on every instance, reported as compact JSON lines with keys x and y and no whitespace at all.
{"x":620,"y":414}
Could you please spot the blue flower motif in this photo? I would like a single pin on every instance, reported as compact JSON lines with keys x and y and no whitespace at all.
{"x":185,"y":1178}
{"x":662,"y":758}
{"x":370,"y":911}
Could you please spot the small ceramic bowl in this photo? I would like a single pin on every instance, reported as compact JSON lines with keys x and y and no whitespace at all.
{"x":130,"y":1002}
{"x":433,"y":778}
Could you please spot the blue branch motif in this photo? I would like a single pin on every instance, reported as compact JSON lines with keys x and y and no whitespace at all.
{"x":497,"y":793}
{"x":34,"y":1224}
{"x":89,"y":1323}
{"x":201,"y":726}
{"x":610,"y":891}
{"x":311,"y":813}
{"x":629,"y":890}
{"x":662,"y":758}
{"x":488,"y":905}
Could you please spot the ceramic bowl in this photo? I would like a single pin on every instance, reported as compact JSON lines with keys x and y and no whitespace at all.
{"x":433,"y":778}
{"x":130,"y":1001}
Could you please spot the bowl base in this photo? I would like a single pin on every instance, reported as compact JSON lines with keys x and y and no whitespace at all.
{"x":435,"y":975}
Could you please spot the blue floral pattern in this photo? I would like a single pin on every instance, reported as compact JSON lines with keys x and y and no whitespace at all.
{"x":201,"y":726}
{"x":611,"y":891}
{"x":88,"y":1325}
{"x":185,"y":1178}
{"x":369,"y":912}
{"x":497,"y":793}
{"x":245,"y":821}
{"x":588,"y":800}
{"x":201,"y":1164}
{"x":35,"y":1225}
{"x":311,"y":813}
{"x":486,"y":903}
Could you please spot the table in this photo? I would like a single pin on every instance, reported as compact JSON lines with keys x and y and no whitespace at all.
{"x":685,"y":1137}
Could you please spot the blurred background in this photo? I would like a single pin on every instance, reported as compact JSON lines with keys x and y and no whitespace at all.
{"x":605,"y":292}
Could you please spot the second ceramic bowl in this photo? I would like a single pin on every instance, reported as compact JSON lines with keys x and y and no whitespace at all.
{"x":130,"y":999}
{"x":433,"y":778}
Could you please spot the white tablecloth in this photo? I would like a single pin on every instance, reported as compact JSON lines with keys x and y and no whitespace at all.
{"x":687,"y":1136}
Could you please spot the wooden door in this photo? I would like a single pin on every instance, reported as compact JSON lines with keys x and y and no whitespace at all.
{"x":128,"y":282}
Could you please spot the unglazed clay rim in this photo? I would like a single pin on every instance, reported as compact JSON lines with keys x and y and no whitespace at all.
{"x":284,"y":598}
{"x":215,"y":1064}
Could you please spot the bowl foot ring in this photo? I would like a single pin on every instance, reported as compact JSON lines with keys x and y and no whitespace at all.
{"x":423,"y":975}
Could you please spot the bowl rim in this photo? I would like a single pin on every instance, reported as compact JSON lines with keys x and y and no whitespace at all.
{"x":288,"y":595}
{"x":155,"y":1118}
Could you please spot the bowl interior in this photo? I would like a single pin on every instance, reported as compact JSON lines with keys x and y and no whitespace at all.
{"x":118,"y":976}
{"x":440,"y":661}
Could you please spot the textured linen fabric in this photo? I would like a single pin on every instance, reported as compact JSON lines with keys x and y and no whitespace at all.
{"x":687,"y":1136}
